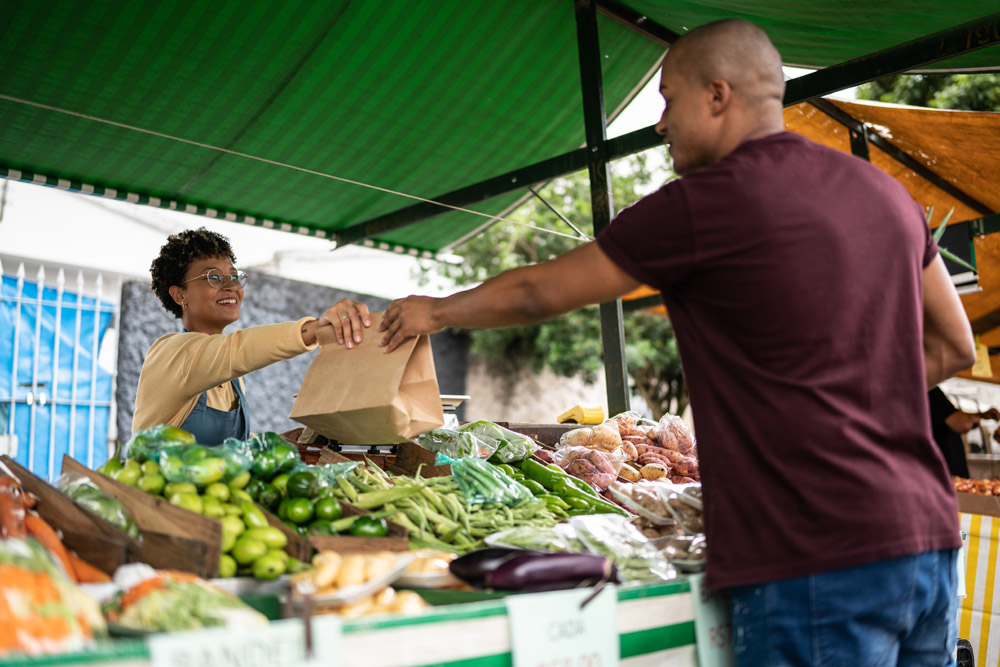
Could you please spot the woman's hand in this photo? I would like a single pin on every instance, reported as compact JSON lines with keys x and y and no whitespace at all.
{"x":405,"y":318}
{"x":348,"y":319}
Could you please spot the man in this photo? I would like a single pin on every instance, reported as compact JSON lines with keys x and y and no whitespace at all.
{"x":812,"y":312}
{"x":948,"y":424}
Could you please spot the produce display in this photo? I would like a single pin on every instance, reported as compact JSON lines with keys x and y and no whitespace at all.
{"x":87,"y":494}
{"x":615,"y":502}
{"x":652,"y":450}
{"x":355,"y":584}
{"x":168,"y":601}
{"x":41,"y":608}
{"x":981,"y":487}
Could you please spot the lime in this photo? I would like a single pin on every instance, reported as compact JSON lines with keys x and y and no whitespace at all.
{"x":366,"y":526}
{"x":189,"y":501}
{"x":282,"y":511}
{"x":151,"y":483}
{"x":280,"y":482}
{"x":247,"y":550}
{"x":300,"y":510}
{"x":132,"y":463}
{"x":219,"y":491}
{"x":269,"y":566}
{"x":227,"y":566}
{"x":129,"y":475}
{"x":239,"y":495}
{"x":272,"y":537}
{"x":179,"y":487}
{"x":210,"y":506}
{"x":150,"y":467}
{"x":206,"y":471}
{"x":321,"y":527}
{"x":328,"y":509}
{"x":302,"y":484}
{"x":240,"y":480}
{"x":269,"y":496}
{"x":232,"y":510}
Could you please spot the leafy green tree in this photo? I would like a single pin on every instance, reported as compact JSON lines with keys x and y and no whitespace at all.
{"x":570,"y":345}
{"x":968,"y":92}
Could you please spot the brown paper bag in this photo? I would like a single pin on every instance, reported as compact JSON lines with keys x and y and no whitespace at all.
{"x":364,"y":396}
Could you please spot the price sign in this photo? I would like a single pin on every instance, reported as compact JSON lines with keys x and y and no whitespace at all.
{"x":277,"y":644}
{"x":551,"y":630}
{"x":713,"y":627}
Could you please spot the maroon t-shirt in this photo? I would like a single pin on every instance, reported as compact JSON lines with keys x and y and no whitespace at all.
{"x":792,"y":275}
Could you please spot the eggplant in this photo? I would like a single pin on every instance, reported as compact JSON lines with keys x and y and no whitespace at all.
{"x":473,"y":567}
{"x":549,"y":571}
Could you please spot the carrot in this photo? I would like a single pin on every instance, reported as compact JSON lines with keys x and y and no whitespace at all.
{"x":44,"y":533}
{"x":87,"y":573}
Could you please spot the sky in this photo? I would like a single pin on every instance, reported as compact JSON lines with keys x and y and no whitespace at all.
{"x":59,"y":227}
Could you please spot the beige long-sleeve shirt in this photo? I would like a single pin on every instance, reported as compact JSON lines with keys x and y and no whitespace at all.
{"x":179,"y":367}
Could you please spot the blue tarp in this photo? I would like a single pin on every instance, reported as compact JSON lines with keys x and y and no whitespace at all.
{"x":72,"y":426}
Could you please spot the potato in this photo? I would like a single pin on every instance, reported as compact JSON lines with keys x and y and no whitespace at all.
{"x":630,"y":473}
{"x":352,"y":571}
{"x":606,"y":438}
{"x":654,"y":471}
{"x":579,"y":437}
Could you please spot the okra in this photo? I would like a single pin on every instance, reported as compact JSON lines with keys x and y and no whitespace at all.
{"x":372,"y":499}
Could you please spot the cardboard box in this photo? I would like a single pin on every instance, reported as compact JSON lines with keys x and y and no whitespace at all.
{"x":172,"y":537}
{"x":973,"y":503}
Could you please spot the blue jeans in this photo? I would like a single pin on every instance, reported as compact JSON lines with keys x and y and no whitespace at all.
{"x":893,"y":612}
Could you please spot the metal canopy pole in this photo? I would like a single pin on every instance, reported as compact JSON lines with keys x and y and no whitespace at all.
{"x":595,"y":123}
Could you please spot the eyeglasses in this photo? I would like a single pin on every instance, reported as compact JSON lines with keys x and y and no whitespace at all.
{"x":218,"y":279}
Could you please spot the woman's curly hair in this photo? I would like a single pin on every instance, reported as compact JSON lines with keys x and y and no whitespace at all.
{"x":176,"y":257}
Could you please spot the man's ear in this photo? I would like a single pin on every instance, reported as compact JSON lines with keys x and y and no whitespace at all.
{"x":177,"y":292}
{"x":720,"y":95}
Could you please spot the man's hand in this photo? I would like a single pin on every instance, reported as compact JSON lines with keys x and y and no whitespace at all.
{"x":347,"y":318}
{"x":405,"y":318}
{"x":992,"y":414}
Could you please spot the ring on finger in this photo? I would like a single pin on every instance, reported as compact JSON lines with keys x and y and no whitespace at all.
{"x":345,"y":317}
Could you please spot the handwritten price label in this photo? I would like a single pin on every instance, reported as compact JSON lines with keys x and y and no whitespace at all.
{"x":550,"y":629}
{"x":713,"y":627}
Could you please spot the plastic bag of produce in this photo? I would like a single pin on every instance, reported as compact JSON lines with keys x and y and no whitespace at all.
{"x":201,"y":465}
{"x":560,"y":538}
{"x":595,"y":467}
{"x":614,"y":536}
{"x":510,"y":446}
{"x":683,"y":502}
{"x":146,"y":445}
{"x":44,"y":612}
{"x":309,"y":481}
{"x":271,"y":454}
{"x":481,"y":482}
{"x":89,"y":495}
{"x":169,"y":601}
{"x":672,"y":433}
{"x":644,"y":499}
{"x":456,"y":444}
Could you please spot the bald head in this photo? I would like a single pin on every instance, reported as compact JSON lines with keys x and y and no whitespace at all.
{"x":735,"y":51}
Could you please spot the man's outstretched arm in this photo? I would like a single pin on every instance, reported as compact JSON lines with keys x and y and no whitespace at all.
{"x":526,"y":295}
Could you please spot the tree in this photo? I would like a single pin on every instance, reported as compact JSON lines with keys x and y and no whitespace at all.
{"x":969,"y":92}
{"x":570,"y":345}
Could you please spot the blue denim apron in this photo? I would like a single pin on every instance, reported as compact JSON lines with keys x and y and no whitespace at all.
{"x":211,"y":426}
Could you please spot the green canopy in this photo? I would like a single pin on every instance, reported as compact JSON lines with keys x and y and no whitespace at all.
{"x":264,"y":112}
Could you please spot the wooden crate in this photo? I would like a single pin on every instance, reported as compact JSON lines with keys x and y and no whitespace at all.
{"x":172,"y":537}
{"x":94,"y":539}
{"x":396,"y":540}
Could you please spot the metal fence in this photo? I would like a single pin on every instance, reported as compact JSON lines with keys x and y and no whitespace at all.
{"x":58,"y":354}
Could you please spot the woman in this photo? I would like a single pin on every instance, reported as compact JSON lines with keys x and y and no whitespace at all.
{"x":194,"y":379}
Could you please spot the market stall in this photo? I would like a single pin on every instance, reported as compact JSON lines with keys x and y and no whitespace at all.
{"x":101,"y":100}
